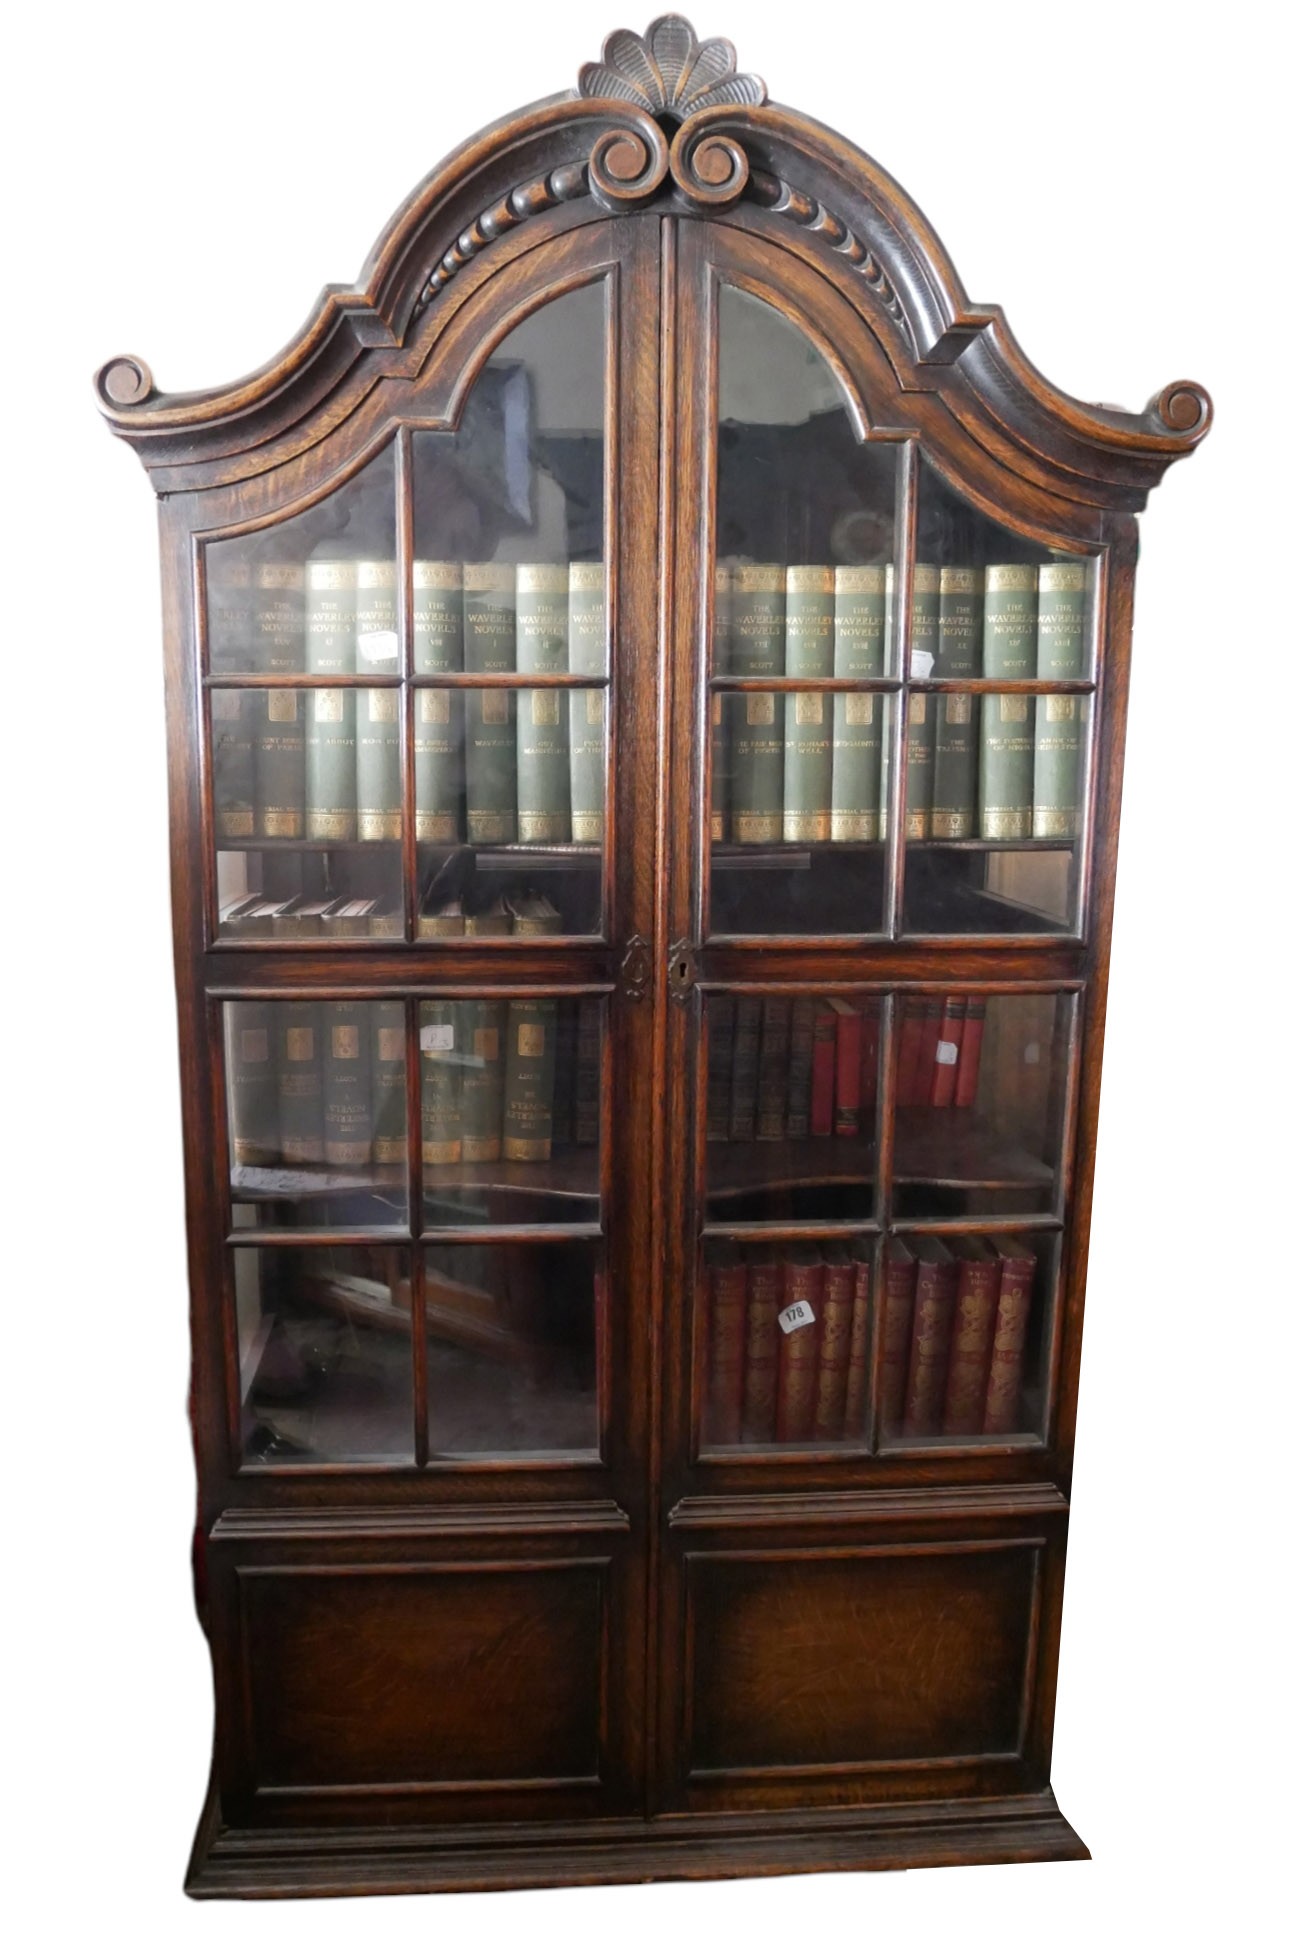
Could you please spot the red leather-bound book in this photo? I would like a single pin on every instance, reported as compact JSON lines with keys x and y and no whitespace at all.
{"x":979,"y":1276}
{"x":871,"y":1066}
{"x":948,"y":1048}
{"x":1011,"y":1323}
{"x":973,"y":1033}
{"x":833,"y":1352}
{"x":849,"y":1067}
{"x":798,"y":1344}
{"x":911,"y":1031}
{"x":759,"y":1390}
{"x":822,"y":1109}
{"x":928,"y":1358}
{"x":896,"y":1334}
{"x":931,"y":1019}
{"x":727,"y":1332}
{"x":860,"y":1341}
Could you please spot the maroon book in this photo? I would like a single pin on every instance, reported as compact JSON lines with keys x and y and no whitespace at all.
{"x":798,"y":1344}
{"x":759,"y":1389}
{"x":727,"y":1334}
{"x":911,"y":1031}
{"x":822,"y":1109}
{"x":973,"y":1031}
{"x":932,"y":1017}
{"x":928,"y":1358}
{"x":833,"y":1351}
{"x":896,"y":1334}
{"x":849,"y":1067}
{"x":871,"y":1065}
{"x":860,"y":1338}
{"x":948,"y":1048}
{"x":979,"y":1274}
{"x":1011,"y":1324}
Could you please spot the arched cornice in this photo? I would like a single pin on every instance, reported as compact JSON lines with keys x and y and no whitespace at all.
{"x":681,"y":129}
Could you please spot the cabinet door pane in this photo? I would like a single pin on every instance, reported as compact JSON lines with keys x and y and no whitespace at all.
{"x":316,"y":1110}
{"x":803,"y":589}
{"x":324,"y":1341}
{"x":512,"y":1359}
{"x":995,"y":785}
{"x":509,"y":581}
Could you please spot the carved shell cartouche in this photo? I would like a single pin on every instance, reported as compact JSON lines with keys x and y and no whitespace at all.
{"x":667,"y":71}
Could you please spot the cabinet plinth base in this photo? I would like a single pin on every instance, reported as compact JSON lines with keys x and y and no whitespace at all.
{"x":356,"y":1862}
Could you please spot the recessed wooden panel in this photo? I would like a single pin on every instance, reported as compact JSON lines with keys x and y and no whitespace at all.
{"x":803,"y":1660}
{"x":424,"y":1676}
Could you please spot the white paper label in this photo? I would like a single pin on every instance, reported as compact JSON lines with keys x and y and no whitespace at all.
{"x":946,"y":1053}
{"x":1032,"y":1053}
{"x":378,"y":646}
{"x":798,"y":1315}
{"x":921,"y":664}
{"x":437,"y":1036}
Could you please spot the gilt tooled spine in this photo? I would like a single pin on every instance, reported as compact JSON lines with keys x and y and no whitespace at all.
{"x":810,"y":652}
{"x":542,"y":717}
{"x":754,"y":722}
{"x":833,"y":1352}
{"x":251,"y":1083}
{"x":920,"y":740}
{"x":1059,"y":722}
{"x":379,"y":727}
{"x":331,"y":735}
{"x":300,"y":1083}
{"x":490,"y":715}
{"x":953,"y":794}
{"x":1006,"y":789}
{"x":438,"y":649}
{"x":345,"y":1053}
{"x":388,"y":1067}
{"x":858,"y":717}
{"x":530,"y":1079}
{"x":483,"y":1071}
{"x":440,"y":1083}
{"x":797,"y":1357}
{"x":586,"y":709}
{"x":973,"y":1334}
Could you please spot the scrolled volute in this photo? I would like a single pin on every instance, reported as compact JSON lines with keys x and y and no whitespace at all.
{"x":708,"y":165}
{"x":628,"y":161}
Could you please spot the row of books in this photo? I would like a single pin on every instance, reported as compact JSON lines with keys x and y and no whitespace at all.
{"x":813,"y":766}
{"x":789,"y":1338}
{"x":492,"y":766}
{"x":323,"y":1084}
{"x":303,"y":917}
{"x":808,"y":1067}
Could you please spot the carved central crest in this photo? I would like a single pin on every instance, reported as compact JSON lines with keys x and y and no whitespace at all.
{"x":668,"y":72}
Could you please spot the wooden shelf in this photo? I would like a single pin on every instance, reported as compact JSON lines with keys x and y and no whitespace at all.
{"x":942,"y":1148}
{"x":571,"y":1174}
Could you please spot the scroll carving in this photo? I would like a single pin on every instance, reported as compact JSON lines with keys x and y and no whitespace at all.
{"x":668,"y":72}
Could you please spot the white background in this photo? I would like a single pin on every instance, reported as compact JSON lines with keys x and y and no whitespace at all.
{"x":181,"y":181}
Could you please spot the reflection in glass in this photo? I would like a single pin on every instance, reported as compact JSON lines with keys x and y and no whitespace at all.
{"x":512,"y":1347}
{"x":324,"y":1337}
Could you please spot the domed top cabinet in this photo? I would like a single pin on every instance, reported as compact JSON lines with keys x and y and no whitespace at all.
{"x":646,"y":680}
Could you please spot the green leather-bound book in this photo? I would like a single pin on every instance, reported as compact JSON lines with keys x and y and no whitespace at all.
{"x":1058,"y":727}
{"x":953,"y":797}
{"x":251,"y":1082}
{"x":923,"y":652}
{"x":299,"y":1083}
{"x":757,"y":645}
{"x":542,"y":717}
{"x":483,"y":1073}
{"x":279,"y":764}
{"x":587,"y":708}
{"x":379,"y":729}
{"x":231,"y":610}
{"x":388,"y":1086}
{"x":279,"y":592}
{"x":530,"y":1079}
{"x":810,"y":652}
{"x":490,"y":715}
{"x":857,"y":717}
{"x":440,"y":1083}
{"x":439,"y":638}
{"x":346,"y":1082}
{"x":1007,"y":722}
{"x":720,"y":663}
{"x":331,"y":715}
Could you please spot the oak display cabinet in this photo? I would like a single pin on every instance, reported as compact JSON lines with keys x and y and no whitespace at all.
{"x":646,"y":679}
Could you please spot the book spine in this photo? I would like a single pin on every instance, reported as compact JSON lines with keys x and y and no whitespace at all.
{"x":758,"y":649}
{"x":1007,"y":1355}
{"x":967,"y":1082}
{"x":928,"y":1359}
{"x":1006,"y":729}
{"x":234,"y":784}
{"x":440,"y":1084}
{"x":800,"y":1077}
{"x":541,"y":727}
{"x":482,"y":1027}
{"x":587,"y":708}
{"x":279,"y":593}
{"x":279,"y":759}
{"x":530,"y":1079}
{"x":833,"y":1352}
{"x":797,"y":1358}
{"x":231,"y":612}
{"x":762,"y":1334}
{"x":924,"y":650}
{"x":330,"y":733}
{"x":1059,"y":721}
{"x":587,"y":1084}
{"x":438,"y":620}
{"x":912,"y":1036}
{"x":251,"y":1074}
{"x":948,"y":1049}
{"x":745,"y":1068}
{"x":849,"y":1070}
{"x":726,"y":1372}
{"x":490,"y":715}
{"x":721,"y":663}
{"x":896,"y":1337}
{"x":860,"y":1344}
{"x":953,"y":796}
{"x":774,"y":1061}
{"x":299,"y":1084}
{"x":932,"y":1018}
{"x":379,"y":740}
{"x":822,"y":1094}
{"x":857,"y":718}
{"x":973,"y":1333}
{"x":347,"y":1083}
{"x":388,"y":1071}
{"x":719,"y":1014}
{"x":810,"y":652}
{"x":870,"y":1069}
